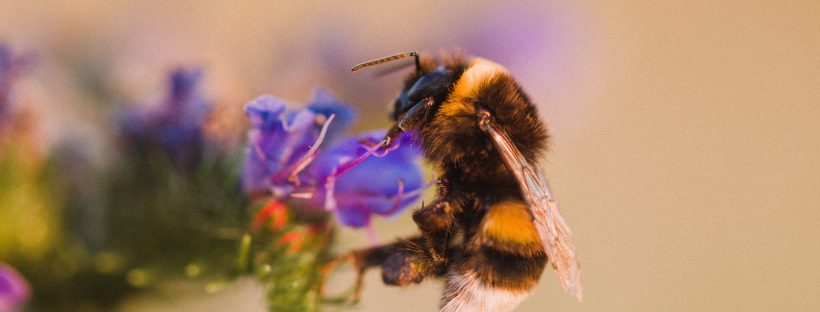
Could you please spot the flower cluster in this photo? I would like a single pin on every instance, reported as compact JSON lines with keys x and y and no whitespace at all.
{"x":175,"y":125}
{"x":295,"y":156}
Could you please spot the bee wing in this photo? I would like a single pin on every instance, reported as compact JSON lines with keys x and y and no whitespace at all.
{"x":554,"y":232}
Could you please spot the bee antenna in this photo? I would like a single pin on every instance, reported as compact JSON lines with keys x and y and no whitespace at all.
{"x":390,"y":59}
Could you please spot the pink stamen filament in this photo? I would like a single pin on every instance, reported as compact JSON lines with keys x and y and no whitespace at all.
{"x":398,"y":198}
{"x":330,"y":185}
{"x":417,"y":191}
{"x":400,"y":195}
{"x":303,"y":195}
{"x":387,"y":150}
{"x":311,"y":154}
{"x":371,"y":234}
{"x":283,"y":119}
{"x":286,"y":153}
{"x":260,"y":153}
{"x":349,"y":165}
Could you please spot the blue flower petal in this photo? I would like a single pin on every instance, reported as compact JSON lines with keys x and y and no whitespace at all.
{"x":265,"y":111}
{"x":354,"y":215}
{"x":184,"y":82}
{"x":324,"y":103}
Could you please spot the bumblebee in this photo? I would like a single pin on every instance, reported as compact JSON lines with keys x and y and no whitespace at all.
{"x":494,"y":224}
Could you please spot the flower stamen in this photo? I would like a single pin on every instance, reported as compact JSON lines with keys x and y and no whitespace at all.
{"x":302,"y":195}
{"x":311,"y":154}
{"x":398,"y":198}
{"x":330,"y":185}
{"x":371,"y":235}
{"x":349,"y":165}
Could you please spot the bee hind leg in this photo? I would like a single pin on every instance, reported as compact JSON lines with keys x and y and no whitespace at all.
{"x":363,"y":259}
{"x":408,"y":263}
{"x":331,"y":267}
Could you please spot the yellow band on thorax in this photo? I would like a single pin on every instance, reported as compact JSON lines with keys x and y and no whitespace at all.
{"x":477,"y":74}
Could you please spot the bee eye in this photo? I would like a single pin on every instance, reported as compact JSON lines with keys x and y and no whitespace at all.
{"x":434,"y":83}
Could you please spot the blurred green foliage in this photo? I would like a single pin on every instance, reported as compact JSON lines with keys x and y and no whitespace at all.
{"x":154,"y":223}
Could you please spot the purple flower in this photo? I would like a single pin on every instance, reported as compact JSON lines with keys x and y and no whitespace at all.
{"x":176,"y":124}
{"x":293,"y":157}
{"x":282,"y":143}
{"x":14,"y":291}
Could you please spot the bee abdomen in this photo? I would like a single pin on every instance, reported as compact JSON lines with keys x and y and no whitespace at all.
{"x":492,"y":282}
{"x":468,"y":293}
{"x":503,"y":261}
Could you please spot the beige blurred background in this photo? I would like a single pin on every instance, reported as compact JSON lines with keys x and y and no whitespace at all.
{"x":686,"y":134}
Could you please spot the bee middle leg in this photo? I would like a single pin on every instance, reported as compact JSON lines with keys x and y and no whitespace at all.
{"x":436,"y":223}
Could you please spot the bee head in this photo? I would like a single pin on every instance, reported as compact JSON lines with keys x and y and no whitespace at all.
{"x":428,"y":87}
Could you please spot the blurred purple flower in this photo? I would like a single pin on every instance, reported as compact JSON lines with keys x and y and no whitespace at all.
{"x":11,"y":66}
{"x":14,"y":291}
{"x":176,"y":124}
{"x":283,"y":142}
{"x":292,"y":156}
